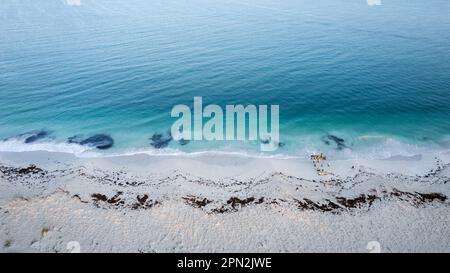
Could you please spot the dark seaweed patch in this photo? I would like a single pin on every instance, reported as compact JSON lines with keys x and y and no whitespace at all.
{"x":32,"y":169}
{"x":196,"y":202}
{"x":143,"y":202}
{"x":234,"y":204}
{"x":356,"y":202}
{"x":307,"y":204}
{"x":115,"y":200}
{"x":430,"y":197}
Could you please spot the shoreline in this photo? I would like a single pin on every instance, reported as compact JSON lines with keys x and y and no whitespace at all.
{"x":46,"y":195}
{"x":382,"y":147}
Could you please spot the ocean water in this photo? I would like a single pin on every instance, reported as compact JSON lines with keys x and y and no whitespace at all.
{"x":377,"y":76}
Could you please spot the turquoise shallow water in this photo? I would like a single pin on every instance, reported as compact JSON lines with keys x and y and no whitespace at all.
{"x":376,"y":76}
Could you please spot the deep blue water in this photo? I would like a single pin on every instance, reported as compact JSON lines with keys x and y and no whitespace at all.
{"x":376,"y":76}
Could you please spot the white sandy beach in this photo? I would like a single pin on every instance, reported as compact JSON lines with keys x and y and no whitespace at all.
{"x":222,"y":203}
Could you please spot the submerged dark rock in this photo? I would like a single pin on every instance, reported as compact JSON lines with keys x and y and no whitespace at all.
{"x":156,"y":137}
{"x":340,"y":142}
{"x":425,"y":138}
{"x":32,"y":136}
{"x":183,"y":141}
{"x":75,"y":139}
{"x":268,"y":140}
{"x":100,"y":141}
{"x":37,"y":136}
{"x":160,"y":141}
